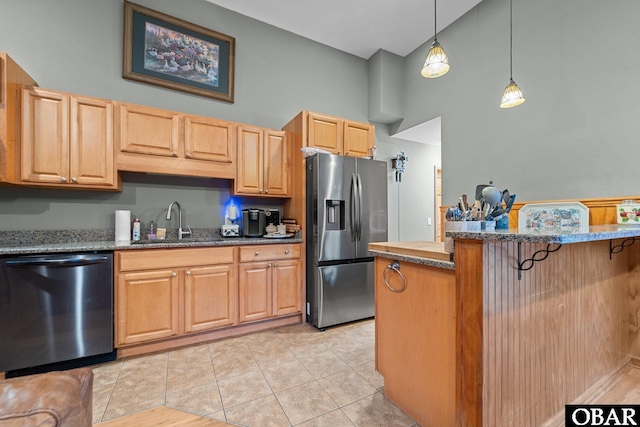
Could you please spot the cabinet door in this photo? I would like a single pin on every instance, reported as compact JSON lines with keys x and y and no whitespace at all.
{"x":147,"y":306}
{"x":276,"y":163}
{"x":255,"y":291}
{"x":91,"y":156}
{"x":208,"y":139}
{"x":210,"y":298}
{"x":358,"y":138}
{"x":249,"y":179}
{"x":325,"y":132}
{"x":287,"y":287}
{"x":146,"y":130}
{"x":45,"y":136}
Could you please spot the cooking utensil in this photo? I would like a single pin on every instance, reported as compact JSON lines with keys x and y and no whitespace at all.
{"x":491,"y":196}
{"x":479,"y":189}
{"x":512,"y":199}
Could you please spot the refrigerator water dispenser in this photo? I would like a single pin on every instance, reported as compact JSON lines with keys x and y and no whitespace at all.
{"x":334,"y":214}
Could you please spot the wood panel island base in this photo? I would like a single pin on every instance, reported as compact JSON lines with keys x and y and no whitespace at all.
{"x":483,"y":342}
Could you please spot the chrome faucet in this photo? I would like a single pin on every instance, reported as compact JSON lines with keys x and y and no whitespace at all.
{"x":180,"y":232}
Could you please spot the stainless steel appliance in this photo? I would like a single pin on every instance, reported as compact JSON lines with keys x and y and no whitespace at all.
{"x":55,"y":308}
{"x":253,"y":222}
{"x":346,"y":210}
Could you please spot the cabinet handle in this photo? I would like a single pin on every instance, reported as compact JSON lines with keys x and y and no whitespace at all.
{"x":286,"y":251}
{"x":175,"y":154}
{"x":257,"y":253}
{"x":269,"y":265}
{"x":395,"y":266}
{"x":74,"y":180}
{"x":189,"y":155}
{"x":188,"y":273}
{"x":261,"y":191}
{"x":63,"y":179}
{"x":275,"y":264}
{"x":266,"y":191}
{"x":174,"y":274}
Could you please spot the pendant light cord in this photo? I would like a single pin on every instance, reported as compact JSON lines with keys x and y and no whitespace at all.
{"x":435,"y":20}
{"x":511,"y":39}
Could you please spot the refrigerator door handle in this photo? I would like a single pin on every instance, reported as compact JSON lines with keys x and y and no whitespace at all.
{"x":355,"y":208}
{"x":359,"y":186}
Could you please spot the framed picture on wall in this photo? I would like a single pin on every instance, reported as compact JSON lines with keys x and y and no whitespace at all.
{"x":165,"y":51}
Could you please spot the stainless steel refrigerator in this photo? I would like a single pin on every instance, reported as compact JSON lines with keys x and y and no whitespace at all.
{"x":346,"y":209}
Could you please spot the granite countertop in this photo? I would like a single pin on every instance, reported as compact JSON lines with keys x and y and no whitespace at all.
{"x":59,"y":241}
{"x":431,"y":254}
{"x":594,"y":233}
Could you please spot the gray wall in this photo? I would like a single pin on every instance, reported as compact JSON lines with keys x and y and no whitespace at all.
{"x":576,"y":136}
{"x":76,"y":46}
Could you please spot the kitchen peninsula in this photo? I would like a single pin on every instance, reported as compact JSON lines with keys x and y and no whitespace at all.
{"x":515,"y":328}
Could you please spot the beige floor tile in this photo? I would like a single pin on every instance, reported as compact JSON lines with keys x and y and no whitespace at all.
{"x":286,"y":375}
{"x":121,"y":411}
{"x":262,"y":412}
{"x":306,"y":348}
{"x":96,"y":417}
{"x":260,"y":339}
{"x":354,"y":353}
{"x":377,"y":411}
{"x":187,"y":376}
{"x":154,"y":365}
{"x":196,"y":352}
{"x":226,"y":368}
{"x":101,"y":395}
{"x":200,"y":400}
{"x":305,"y":402}
{"x":368,"y":372}
{"x":346,"y":386}
{"x":106,"y":373}
{"x":271,"y":355}
{"x":324,"y":364}
{"x":243,"y":388}
{"x":134,"y":390}
{"x":335,"y":418}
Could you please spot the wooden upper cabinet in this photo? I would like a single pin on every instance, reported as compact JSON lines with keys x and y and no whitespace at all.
{"x":12,"y":79}
{"x":276,"y":163}
{"x":67,"y":140}
{"x":325,"y":132}
{"x":163,"y":141}
{"x":146,"y":130}
{"x":263,"y":162}
{"x":339,"y":136}
{"x":208,"y":139}
{"x":358,"y":138}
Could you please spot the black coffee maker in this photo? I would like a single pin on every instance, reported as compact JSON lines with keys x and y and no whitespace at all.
{"x":253,"y":222}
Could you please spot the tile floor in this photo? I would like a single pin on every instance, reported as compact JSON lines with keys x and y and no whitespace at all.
{"x":291,"y":376}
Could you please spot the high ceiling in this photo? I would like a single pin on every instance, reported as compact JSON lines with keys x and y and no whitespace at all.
{"x":359,"y":27}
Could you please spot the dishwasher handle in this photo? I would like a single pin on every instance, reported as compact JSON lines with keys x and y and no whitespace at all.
{"x":71,"y":261}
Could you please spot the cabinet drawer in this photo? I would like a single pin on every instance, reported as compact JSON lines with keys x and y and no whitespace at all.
{"x":267,"y":252}
{"x":172,"y":258}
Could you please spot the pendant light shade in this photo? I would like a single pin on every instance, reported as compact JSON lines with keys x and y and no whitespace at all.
{"x":512,"y":96}
{"x":436,"y":64}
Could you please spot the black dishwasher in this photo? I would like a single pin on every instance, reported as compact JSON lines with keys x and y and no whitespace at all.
{"x":56,"y":311}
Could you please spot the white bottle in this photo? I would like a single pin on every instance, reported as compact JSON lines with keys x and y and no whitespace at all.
{"x":136,"y":229}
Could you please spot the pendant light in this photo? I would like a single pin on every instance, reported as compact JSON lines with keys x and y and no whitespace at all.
{"x":512,"y":96}
{"x":436,"y":64}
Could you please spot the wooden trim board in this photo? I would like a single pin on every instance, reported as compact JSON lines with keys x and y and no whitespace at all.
{"x":434,"y":250}
{"x":162,"y":416}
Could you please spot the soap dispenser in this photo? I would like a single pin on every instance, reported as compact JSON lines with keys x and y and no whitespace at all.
{"x":151,"y":234}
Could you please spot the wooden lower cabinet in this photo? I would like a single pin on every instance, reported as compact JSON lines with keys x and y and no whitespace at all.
{"x":209,"y":297}
{"x":162,"y":293}
{"x":172,"y":294}
{"x":269,"y":282}
{"x":147,"y":307}
{"x":416,"y":340}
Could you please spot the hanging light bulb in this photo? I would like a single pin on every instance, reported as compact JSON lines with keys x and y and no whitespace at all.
{"x":436,"y":64}
{"x":512,"y":96}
